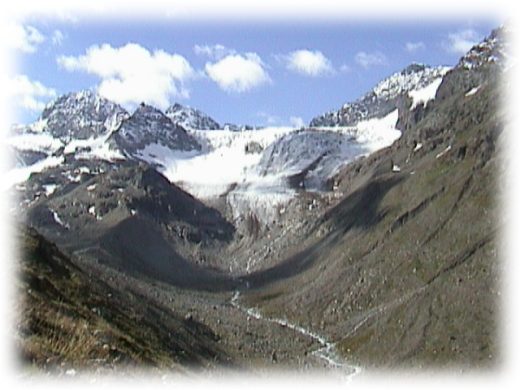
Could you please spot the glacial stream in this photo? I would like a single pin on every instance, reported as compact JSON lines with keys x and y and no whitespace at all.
{"x":327,"y":352}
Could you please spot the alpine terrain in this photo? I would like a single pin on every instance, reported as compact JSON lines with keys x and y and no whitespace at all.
{"x":365,"y":240}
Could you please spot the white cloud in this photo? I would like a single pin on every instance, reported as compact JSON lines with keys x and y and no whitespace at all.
{"x":367,"y":60}
{"x":28,"y":94}
{"x":309,"y":63}
{"x":57,"y":38}
{"x":461,"y":41}
{"x":414,"y":46}
{"x":296,"y":121}
{"x":215,"y":52}
{"x":238,"y":73}
{"x":131,"y":74}
{"x":23,"y":38}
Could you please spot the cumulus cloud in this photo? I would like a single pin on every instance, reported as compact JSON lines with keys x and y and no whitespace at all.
{"x":308,"y":63}
{"x":461,"y":41}
{"x":131,"y":74}
{"x":215,"y":52}
{"x":22,"y":38}
{"x":238,"y":73}
{"x":28,"y":94}
{"x":367,"y":60}
{"x":296,"y":121}
{"x":414,"y":46}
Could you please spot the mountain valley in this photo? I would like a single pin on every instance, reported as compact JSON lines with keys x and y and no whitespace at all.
{"x":365,"y":240}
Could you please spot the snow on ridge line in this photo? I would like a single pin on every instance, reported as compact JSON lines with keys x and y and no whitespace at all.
{"x":321,"y":156}
{"x":21,"y":174}
{"x":46,"y":143}
{"x":37,"y":142}
{"x":237,"y":139}
{"x":94,"y":147}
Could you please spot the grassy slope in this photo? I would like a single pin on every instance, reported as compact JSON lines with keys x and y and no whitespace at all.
{"x":68,"y":319}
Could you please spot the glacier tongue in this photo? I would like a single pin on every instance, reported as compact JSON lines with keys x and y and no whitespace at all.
{"x":254,"y":169}
{"x":223,"y":162}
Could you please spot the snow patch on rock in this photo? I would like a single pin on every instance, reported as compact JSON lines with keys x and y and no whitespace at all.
{"x":472,"y":91}
{"x":425,"y":94}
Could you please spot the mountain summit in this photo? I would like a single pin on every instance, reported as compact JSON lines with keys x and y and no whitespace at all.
{"x":81,"y":115}
{"x":149,"y":126}
{"x":191,"y":118}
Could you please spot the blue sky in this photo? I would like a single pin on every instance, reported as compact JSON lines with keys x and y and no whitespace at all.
{"x":256,"y":73}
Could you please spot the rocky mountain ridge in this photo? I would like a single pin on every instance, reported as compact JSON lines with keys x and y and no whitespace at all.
{"x":190,"y":118}
{"x":80,"y":115}
{"x":383,"y":98}
{"x":149,"y":126}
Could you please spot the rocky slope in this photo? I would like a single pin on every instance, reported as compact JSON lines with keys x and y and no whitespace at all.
{"x":132,"y":218}
{"x":404,"y":270}
{"x":70,"y":319}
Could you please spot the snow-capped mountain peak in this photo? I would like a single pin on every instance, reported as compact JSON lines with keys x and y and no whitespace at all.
{"x":492,"y":49}
{"x":191,"y":118}
{"x":80,"y":115}
{"x":147,"y":126}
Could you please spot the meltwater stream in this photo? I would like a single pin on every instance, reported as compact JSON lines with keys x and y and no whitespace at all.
{"x":327,"y":352}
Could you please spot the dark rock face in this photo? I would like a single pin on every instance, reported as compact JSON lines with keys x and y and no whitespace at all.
{"x":383,"y":99}
{"x":309,"y":155}
{"x":148,"y":125}
{"x":191,"y":118}
{"x":137,"y":219}
{"x":253,"y":147}
{"x":481,"y":67}
{"x":82,"y":115}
